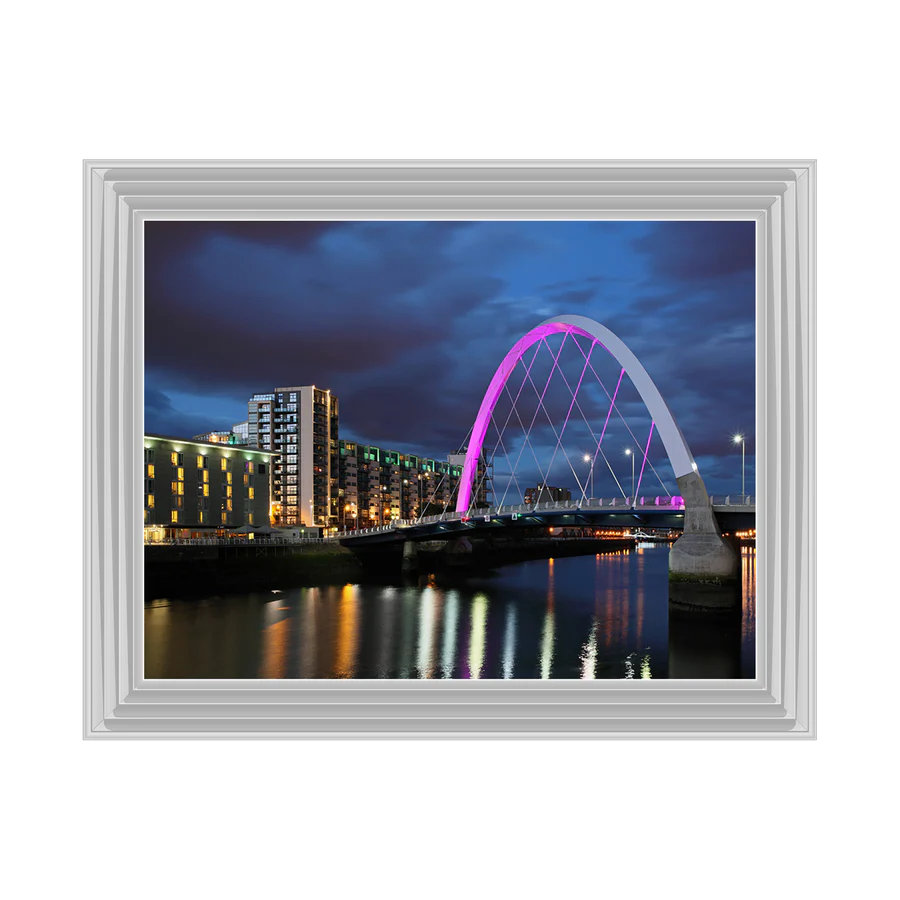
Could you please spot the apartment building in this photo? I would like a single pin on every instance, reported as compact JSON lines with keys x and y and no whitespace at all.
{"x":300,"y":425}
{"x":544,"y":493}
{"x":195,"y":487}
{"x":377,"y":485}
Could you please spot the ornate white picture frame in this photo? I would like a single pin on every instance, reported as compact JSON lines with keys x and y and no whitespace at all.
{"x":781,"y":191}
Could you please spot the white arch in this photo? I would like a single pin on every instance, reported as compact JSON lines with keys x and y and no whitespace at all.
{"x":673,"y":440}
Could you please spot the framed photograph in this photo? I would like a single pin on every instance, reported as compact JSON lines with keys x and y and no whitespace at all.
{"x":778,"y":194}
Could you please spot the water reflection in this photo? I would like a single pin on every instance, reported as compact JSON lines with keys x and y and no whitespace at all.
{"x":547,"y":635}
{"x":509,"y":642}
{"x":604,"y":616}
{"x":345,"y":663}
{"x":477,"y":635}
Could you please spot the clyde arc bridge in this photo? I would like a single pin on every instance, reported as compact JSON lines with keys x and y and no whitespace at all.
{"x":549,"y":417}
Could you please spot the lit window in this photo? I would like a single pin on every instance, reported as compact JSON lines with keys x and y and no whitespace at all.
{"x":199,"y":461}
{"x":249,"y":518}
{"x":228,"y":505}
{"x":250,"y":494}
{"x":224,"y":518}
{"x":228,"y":478}
{"x":174,"y":515}
{"x":228,"y":491}
{"x":205,"y":490}
{"x":180,"y":475}
{"x":205,"y":476}
{"x":180,"y":487}
{"x":203,"y":517}
{"x":174,"y":459}
{"x":246,"y":480}
{"x":224,"y":465}
{"x":151,"y":501}
{"x":151,"y":471}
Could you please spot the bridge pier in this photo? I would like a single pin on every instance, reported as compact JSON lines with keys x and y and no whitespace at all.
{"x":410,"y":557}
{"x":701,"y":555}
{"x":458,"y":552}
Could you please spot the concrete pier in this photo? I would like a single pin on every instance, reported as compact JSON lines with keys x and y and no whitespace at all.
{"x":410,"y":557}
{"x":701,"y":554}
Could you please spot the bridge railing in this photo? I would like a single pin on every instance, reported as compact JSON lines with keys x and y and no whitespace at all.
{"x":624,"y":503}
{"x":236,"y":542}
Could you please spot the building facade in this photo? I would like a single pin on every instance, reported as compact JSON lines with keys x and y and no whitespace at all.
{"x":300,"y":425}
{"x":195,"y":487}
{"x":237,"y":436}
{"x":376,"y":485}
{"x":544,"y":493}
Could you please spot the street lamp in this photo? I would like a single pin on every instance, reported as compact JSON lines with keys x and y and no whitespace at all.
{"x":587,"y":459}
{"x":739,"y":439}
{"x":629,"y":453}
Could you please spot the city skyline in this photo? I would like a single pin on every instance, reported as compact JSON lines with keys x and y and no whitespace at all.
{"x":406,"y":322}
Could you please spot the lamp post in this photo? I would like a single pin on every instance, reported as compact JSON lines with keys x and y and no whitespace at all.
{"x":587,"y":459}
{"x":739,"y":439}
{"x":629,"y":453}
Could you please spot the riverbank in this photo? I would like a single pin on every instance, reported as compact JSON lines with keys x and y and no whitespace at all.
{"x":181,"y":571}
{"x":197,"y":570}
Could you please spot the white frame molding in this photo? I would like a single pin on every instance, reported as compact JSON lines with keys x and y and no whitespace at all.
{"x":120,"y":195}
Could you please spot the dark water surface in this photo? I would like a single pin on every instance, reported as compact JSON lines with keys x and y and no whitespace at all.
{"x":603,"y":616}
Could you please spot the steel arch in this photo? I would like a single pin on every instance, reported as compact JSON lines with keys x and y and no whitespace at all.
{"x":673,"y":440}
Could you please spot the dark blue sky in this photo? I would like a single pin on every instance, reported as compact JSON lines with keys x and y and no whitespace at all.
{"x":405,"y":322}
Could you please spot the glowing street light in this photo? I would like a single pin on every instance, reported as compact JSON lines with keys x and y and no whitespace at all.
{"x":629,"y":453}
{"x":739,"y":439}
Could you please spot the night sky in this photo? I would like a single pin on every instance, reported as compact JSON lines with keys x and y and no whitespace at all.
{"x":406,"y":322}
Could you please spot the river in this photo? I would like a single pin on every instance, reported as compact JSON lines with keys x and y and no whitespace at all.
{"x":604,"y":616}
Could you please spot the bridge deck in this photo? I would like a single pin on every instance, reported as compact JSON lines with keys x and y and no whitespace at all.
{"x":731,"y":515}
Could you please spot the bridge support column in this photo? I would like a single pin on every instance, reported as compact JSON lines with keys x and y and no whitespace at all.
{"x":458,"y":552}
{"x":410,"y":557}
{"x":701,"y":555}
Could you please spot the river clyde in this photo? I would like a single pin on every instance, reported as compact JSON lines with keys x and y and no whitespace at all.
{"x":599,"y":616}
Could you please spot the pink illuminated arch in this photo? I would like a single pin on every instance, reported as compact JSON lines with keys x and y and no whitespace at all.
{"x":673,"y":440}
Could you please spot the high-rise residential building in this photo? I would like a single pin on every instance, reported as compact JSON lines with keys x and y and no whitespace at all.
{"x":300,"y":424}
{"x":194,"y":487}
{"x":544,"y":493}
{"x":376,"y":486}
